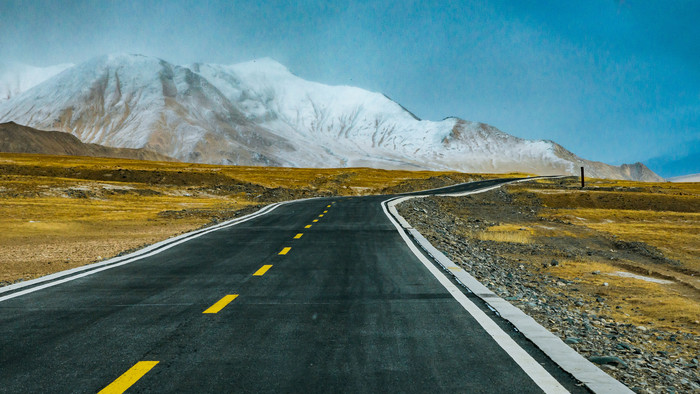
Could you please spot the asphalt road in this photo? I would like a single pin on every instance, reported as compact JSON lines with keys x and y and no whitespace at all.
{"x":346,"y":307}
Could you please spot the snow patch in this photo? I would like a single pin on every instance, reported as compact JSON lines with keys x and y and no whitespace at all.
{"x":641,"y":277}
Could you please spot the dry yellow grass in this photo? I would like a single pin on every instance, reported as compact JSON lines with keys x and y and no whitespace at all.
{"x":506,"y":233}
{"x":47,"y":234}
{"x":650,"y":229}
{"x":666,"y":215}
{"x":677,"y":234}
{"x":640,"y":302}
{"x":344,"y":181}
{"x":663,"y":215}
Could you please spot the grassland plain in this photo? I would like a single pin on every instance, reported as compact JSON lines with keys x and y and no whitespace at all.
{"x":612,"y":268}
{"x":59,"y":212}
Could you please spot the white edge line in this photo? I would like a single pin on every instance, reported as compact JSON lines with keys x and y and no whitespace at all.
{"x":117,"y":259}
{"x":528,"y":364}
{"x":563,"y":355}
{"x":148,"y":251}
{"x":487,"y":180}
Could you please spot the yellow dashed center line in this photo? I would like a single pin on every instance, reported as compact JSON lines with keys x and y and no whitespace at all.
{"x":221,"y":303}
{"x":328,"y":206}
{"x":262,"y":270}
{"x":315,"y":220}
{"x":307,"y":226}
{"x":321,"y":215}
{"x":298,"y":235}
{"x":129,"y":377}
{"x":285,"y":251}
{"x":325,"y":211}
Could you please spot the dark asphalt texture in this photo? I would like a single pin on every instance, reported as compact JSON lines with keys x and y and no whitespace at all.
{"x":348,"y":309}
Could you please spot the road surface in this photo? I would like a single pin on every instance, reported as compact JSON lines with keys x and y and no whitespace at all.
{"x":321,"y":295}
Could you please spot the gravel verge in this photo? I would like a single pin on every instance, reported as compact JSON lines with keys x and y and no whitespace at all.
{"x":646,"y":359}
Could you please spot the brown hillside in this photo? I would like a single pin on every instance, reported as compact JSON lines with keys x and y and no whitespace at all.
{"x":15,"y":138}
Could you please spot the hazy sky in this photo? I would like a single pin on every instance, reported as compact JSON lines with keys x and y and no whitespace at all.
{"x":616,"y":81}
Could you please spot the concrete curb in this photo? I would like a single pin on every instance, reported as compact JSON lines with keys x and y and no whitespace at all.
{"x":563,"y":355}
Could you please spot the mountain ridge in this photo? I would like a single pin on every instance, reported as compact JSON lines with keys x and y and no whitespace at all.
{"x":259,"y":113}
{"x":15,"y":138}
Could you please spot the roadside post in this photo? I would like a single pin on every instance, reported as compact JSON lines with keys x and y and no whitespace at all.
{"x":583,"y":182}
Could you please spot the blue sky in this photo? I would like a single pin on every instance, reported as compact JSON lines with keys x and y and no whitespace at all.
{"x":615,"y":81}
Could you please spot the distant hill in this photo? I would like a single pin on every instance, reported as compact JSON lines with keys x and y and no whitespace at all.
{"x":16,"y":138}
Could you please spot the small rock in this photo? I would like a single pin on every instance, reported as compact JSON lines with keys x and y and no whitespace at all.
{"x":605,"y":284}
{"x":608,"y":360}
{"x":595,"y":272}
{"x":572,"y":340}
{"x":641,"y":328}
{"x":554,"y":263}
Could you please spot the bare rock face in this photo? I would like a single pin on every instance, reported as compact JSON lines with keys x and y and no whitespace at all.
{"x":258,"y":113}
{"x":15,"y":138}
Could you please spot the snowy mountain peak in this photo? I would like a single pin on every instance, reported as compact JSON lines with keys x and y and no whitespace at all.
{"x":259,"y":113}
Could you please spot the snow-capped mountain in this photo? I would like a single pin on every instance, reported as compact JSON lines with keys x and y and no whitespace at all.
{"x":15,"y":78}
{"x":259,"y":113}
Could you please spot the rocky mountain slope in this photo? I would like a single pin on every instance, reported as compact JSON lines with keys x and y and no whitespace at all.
{"x":15,"y":138}
{"x":258,"y":113}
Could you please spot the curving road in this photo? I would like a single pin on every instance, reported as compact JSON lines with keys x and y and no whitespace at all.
{"x":321,"y":295}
